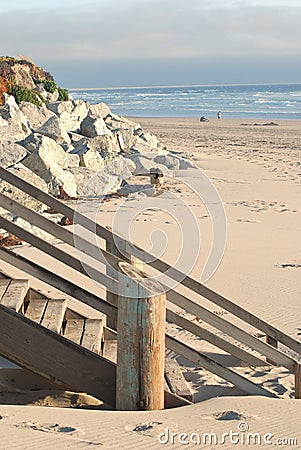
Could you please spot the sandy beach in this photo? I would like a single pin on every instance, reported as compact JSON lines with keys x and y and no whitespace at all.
{"x":256,"y":168}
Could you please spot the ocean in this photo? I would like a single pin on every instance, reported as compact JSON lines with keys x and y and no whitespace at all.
{"x":269,"y":102}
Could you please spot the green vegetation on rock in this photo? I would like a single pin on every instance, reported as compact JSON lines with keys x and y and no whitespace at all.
{"x":22,"y":94}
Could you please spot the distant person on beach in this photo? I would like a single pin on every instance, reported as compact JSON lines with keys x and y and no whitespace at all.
{"x":204,"y":119}
{"x":219,"y":115}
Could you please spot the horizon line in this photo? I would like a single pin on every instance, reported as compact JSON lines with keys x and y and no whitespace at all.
{"x":179,"y":86}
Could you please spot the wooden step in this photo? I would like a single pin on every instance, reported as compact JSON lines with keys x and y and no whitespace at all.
{"x":55,"y":358}
{"x":74,"y":330}
{"x":4,"y":283}
{"x":54,"y":315}
{"x":110,"y":350}
{"x":175,"y":379}
{"x":92,"y":335}
{"x":36,"y":308}
{"x":15,"y":294}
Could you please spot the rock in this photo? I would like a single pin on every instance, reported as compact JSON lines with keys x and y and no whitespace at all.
{"x":174,"y":162}
{"x":21,"y":74}
{"x":10,"y":152}
{"x":171,"y":162}
{"x":88,"y":157}
{"x":143,"y":165}
{"x":124,"y":127}
{"x":70,"y":113}
{"x":44,"y":153}
{"x":11,"y":112}
{"x":59,"y":107}
{"x":99,"y":109}
{"x":82,"y":176}
{"x":147,"y":142}
{"x":80,"y":109}
{"x":47,"y":96}
{"x":12,"y":131}
{"x":36,"y":115}
{"x":110,"y":178}
{"x":21,"y":197}
{"x":58,"y":178}
{"x":106,"y":145}
{"x":53,"y":129}
{"x":93,"y":126}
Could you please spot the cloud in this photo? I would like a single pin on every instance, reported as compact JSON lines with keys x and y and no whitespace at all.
{"x":133,"y":32}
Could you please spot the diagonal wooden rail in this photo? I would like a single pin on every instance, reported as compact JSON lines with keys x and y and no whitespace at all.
{"x":131,"y":249}
{"x":192,"y":306}
{"x":173,"y":296}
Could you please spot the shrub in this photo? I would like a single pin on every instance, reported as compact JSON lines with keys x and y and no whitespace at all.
{"x":49,"y":85}
{"x":22,"y":94}
{"x":63,"y":94}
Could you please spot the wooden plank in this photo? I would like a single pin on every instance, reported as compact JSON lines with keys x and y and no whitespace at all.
{"x":298,"y":381}
{"x":175,"y":379}
{"x":109,"y":334}
{"x":212,"y":366}
{"x":213,"y":339}
{"x":60,"y":283}
{"x":172,"y":400}
{"x":15,"y":294}
{"x":158,"y":264}
{"x":141,"y":342}
{"x":232,"y":330}
{"x":3,"y":286}
{"x":55,"y":358}
{"x":74,"y":330}
{"x":54,"y":315}
{"x":92,"y":335}
{"x":36,"y":309}
{"x":110,"y":350}
{"x":58,"y":254}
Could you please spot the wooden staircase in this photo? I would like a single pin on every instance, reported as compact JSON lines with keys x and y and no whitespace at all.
{"x":78,"y":349}
{"x":30,"y":319}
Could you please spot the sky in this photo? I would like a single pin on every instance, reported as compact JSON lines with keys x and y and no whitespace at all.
{"x":156,"y":42}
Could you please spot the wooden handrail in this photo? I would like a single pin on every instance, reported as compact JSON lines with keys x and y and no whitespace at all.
{"x":158,"y":264}
{"x":235,"y":332}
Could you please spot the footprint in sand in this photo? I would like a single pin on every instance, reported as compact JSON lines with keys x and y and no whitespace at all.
{"x":146,"y":428}
{"x":227,"y":415}
{"x":50,"y":428}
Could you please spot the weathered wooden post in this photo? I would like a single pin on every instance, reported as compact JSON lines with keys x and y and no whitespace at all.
{"x":298,"y":381}
{"x":141,"y":342}
{"x":156,"y":176}
{"x":112,"y":248}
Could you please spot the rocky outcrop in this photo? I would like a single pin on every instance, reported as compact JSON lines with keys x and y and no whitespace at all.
{"x":72,"y":148}
{"x":22,"y":76}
